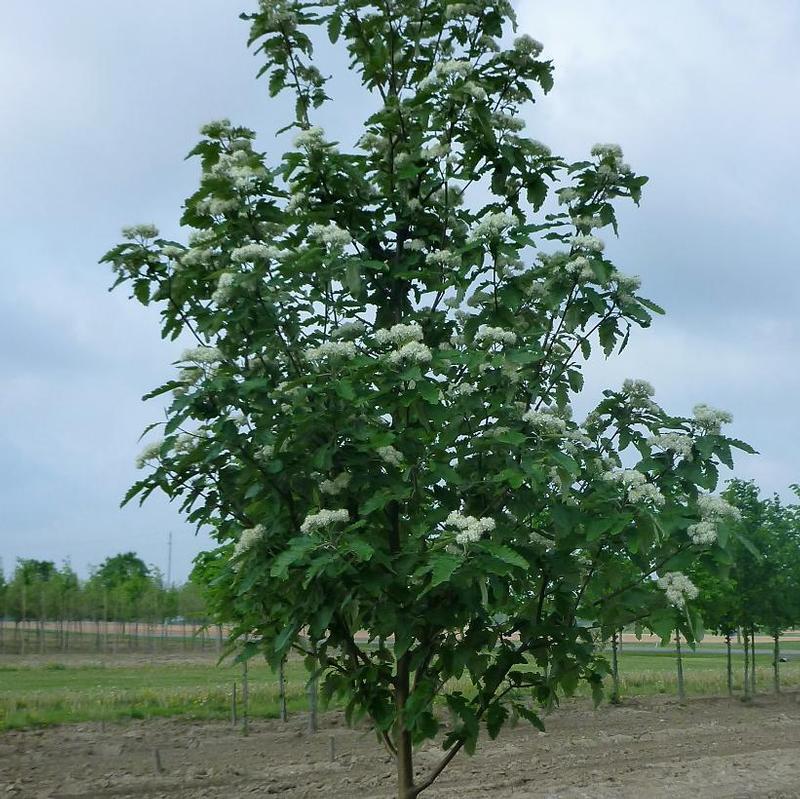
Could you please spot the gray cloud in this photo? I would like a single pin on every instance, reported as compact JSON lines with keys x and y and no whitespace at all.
{"x":102,"y":101}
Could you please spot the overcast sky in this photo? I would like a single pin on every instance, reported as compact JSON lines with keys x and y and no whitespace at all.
{"x":100,"y":102}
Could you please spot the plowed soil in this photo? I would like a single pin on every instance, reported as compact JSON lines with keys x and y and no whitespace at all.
{"x":646,"y":749}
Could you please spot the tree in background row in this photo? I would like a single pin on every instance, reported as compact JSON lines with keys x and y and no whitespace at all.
{"x":375,"y":422}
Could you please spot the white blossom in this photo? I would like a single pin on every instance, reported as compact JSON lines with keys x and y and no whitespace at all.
{"x":323,"y":519}
{"x":613,"y":151}
{"x":469,"y":528}
{"x":412,"y":352}
{"x":588,"y":242}
{"x":494,"y":335}
{"x":711,"y":419}
{"x":702,"y":533}
{"x":337,"y":485}
{"x":349,"y":330}
{"x":310,"y":138}
{"x":678,"y":588}
{"x":247,"y":540}
{"x":415,"y":245}
{"x":202,"y":355}
{"x":475,"y":91}
{"x":140,"y":232}
{"x":250,"y":253}
{"x":227,"y":280}
{"x":637,"y":486}
{"x":545,"y":422}
{"x":463,"y":390}
{"x":638,"y":389}
{"x":390,"y":455}
{"x":492,"y":225}
{"x":443,"y":258}
{"x":399,"y":333}
{"x":528,"y":45}
{"x":715,"y":508}
{"x":674,"y":442}
{"x":265,"y":453}
{"x":337,"y":350}
{"x":331,"y":235}
{"x":150,"y":452}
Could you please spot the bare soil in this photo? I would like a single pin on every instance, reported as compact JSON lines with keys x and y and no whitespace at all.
{"x":647,"y":749}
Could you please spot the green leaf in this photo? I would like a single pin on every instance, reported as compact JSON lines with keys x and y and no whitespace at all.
{"x":334,"y":28}
{"x":504,"y":553}
{"x":442,"y":567}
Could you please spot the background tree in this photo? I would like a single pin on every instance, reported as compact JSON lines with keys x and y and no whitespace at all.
{"x":376,"y":422}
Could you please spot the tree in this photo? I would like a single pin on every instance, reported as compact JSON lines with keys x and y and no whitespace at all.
{"x":375,"y":422}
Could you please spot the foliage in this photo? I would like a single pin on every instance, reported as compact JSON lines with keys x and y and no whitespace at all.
{"x":376,"y":424}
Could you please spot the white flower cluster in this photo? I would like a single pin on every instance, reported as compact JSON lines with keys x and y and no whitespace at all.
{"x":399,"y":334}
{"x":435,"y":150}
{"x":607,"y":151}
{"x":678,"y":443}
{"x":349,"y":330}
{"x":415,"y":245}
{"x":528,"y":45}
{"x":476,"y":92}
{"x":503,"y":121}
{"x":134,"y":232}
{"x":702,"y":533}
{"x":678,"y":588}
{"x":636,"y":486}
{"x":470,"y":528}
{"x":390,"y":455}
{"x":265,"y":453}
{"x":628,"y":283}
{"x":537,"y":539}
{"x":711,"y":419}
{"x":545,"y":422}
{"x":715,"y":508}
{"x":335,"y":350}
{"x":443,"y":70}
{"x":331,"y":235}
{"x":150,"y":452}
{"x":494,"y":335}
{"x":638,"y":389}
{"x":224,"y":291}
{"x":310,"y":138}
{"x":587,"y":242}
{"x":247,"y":540}
{"x":207,"y":355}
{"x":337,"y":485}
{"x":413,"y":352}
{"x":463,"y":390}
{"x":581,"y":268}
{"x":492,"y":225}
{"x":443,"y":258}
{"x":252,"y":253}
{"x":323,"y":519}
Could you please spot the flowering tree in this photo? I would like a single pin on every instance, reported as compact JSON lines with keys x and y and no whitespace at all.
{"x":375,"y":422}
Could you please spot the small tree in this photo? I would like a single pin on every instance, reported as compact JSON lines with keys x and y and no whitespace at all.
{"x":376,"y":421}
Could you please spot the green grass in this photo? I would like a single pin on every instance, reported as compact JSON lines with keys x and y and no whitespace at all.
{"x":58,"y":691}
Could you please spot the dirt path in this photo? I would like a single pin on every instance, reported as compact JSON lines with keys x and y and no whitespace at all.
{"x":646,"y":749}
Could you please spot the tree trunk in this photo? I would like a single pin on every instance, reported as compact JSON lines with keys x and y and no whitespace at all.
{"x":614,"y":669}
{"x":402,"y":737}
{"x":681,"y":691}
{"x":282,"y":690}
{"x":729,"y":664}
{"x":245,"y":700}
{"x":753,"y":660}
{"x":746,"y":664}
{"x":776,"y":663}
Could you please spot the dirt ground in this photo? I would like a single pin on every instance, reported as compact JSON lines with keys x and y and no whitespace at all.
{"x":645,"y":749}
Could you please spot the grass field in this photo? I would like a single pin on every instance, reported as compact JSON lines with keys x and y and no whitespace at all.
{"x":38,"y":692}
